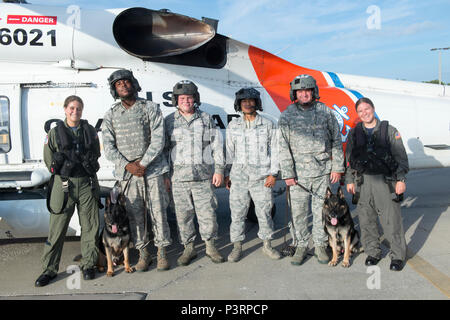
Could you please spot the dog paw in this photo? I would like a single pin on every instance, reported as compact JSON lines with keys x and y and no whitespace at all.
{"x":332,"y":263}
{"x":346,"y":264}
{"x":109,"y":273}
{"x":129,"y":270}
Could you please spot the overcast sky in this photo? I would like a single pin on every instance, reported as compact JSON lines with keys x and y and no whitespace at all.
{"x":390,"y":39}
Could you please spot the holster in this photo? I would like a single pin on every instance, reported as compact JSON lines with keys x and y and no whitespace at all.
{"x":395,"y":197}
{"x":359,"y":181}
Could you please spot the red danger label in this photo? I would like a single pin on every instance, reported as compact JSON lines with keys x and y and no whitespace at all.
{"x":19,"y":19}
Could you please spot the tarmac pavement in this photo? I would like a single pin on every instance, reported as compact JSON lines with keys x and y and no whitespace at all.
{"x":426,"y":218}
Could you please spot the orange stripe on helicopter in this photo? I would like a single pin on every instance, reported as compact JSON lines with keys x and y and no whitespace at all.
{"x":275,"y":74}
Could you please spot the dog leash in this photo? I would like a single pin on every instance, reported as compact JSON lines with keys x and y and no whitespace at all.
{"x":288,"y":250}
{"x":148,"y":211}
{"x":147,"y":203}
{"x":310,"y":191}
{"x":117,"y":189}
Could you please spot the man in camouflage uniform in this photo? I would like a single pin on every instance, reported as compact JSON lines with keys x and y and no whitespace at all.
{"x":133,"y":139}
{"x":195,"y":152}
{"x":311,"y":155}
{"x":251,"y":146}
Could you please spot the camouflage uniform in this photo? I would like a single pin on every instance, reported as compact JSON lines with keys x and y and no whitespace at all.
{"x":252,"y":156}
{"x":195,"y":152}
{"x":375,"y":200}
{"x":310,"y":148}
{"x":129,"y":135}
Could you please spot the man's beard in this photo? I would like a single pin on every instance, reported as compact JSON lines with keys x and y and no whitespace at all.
{"x":130,"y":96}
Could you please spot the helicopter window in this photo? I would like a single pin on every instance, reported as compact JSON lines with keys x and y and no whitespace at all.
{"x":5,"y":137}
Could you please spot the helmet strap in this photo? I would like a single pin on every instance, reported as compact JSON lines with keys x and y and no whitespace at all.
{"x":249,"y":116}
{"x":306,"y":105}
{"x":251,"y":112}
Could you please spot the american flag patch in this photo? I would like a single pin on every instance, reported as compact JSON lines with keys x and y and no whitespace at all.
{"x":397,"y":135}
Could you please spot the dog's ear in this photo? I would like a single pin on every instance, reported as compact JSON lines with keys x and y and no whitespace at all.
{"x":121,"y":199}
{"x":329,"y":193}
{"x":340,"y":193}
{"x":107,"y":202}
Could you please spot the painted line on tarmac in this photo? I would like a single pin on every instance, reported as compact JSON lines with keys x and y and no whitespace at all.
{"x":429,"y":272}
{"x":426,"y":270}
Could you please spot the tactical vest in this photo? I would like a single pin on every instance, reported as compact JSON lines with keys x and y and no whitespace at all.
{"x":77,"y":155}
{"x":373,"y":156}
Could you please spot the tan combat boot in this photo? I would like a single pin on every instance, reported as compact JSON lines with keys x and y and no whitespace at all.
{"x":321,"y":254}
{"x":188,"y":255}
{"x":144,"y":260}
{"x":236,"y":253}
{"x":212,"y":252}
{"x":269,"y":251}
{"x":299,"y":256}
{"x":163,"y":263}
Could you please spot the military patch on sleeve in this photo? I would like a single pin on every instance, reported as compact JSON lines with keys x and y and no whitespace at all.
{"x":397,"y":135}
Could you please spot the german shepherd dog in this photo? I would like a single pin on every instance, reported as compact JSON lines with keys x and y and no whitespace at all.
{"x":116,"y":235}
{"x":339,"y":226}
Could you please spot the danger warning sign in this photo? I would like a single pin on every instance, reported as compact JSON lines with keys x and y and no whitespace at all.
{"x":20,"y":19}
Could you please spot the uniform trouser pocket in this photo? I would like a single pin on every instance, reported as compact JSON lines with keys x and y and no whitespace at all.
{"x":390,"y":220}
{"x":205,"y":203}
{"x":84,"y":197}
{"x":263,"y":200}
{"x":53,"y":246}
{"x":158,"y":201}
{"x":195,"y":198}
{"x":88,"y":200}
{"x":301,"y":202}
{"x":144,"y":201}
{"x":375,"y":202}
{"x":239,"y":205}
{"x":134,"y":192}
{"x":57,"y":195}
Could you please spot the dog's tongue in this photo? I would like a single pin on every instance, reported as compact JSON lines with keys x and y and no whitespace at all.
{"x":334,"y":221}
{"x":114,"y":228}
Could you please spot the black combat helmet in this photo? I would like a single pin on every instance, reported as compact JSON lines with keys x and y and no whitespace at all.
{"x":185,"y":87}
{"x":247,"y":93}
{"x":120,"y":75}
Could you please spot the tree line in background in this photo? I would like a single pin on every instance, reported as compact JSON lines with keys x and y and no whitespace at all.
{"x":436,"y":82}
